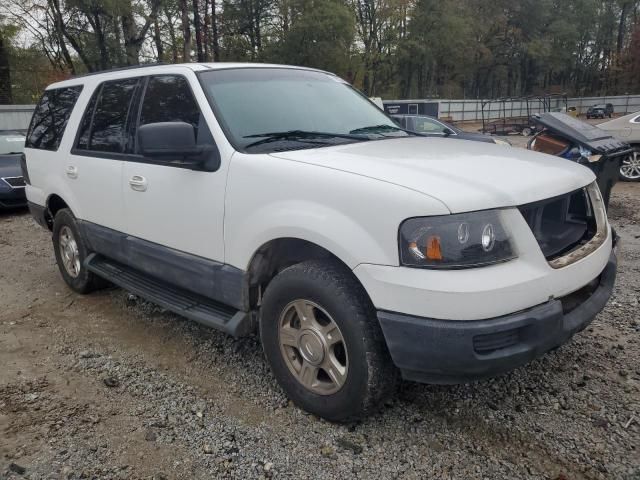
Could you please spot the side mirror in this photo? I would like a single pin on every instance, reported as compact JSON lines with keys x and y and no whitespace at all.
{"x":447,"y":131}
{"x":173,"y":141}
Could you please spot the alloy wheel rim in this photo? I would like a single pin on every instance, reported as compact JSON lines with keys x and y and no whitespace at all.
{"x":631,"y":166}
{"x":69,"y":252}
{"x":313,"y":347}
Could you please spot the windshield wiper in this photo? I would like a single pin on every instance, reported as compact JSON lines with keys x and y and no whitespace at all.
{"x":378,"y":129}
{"x":296,"y":135}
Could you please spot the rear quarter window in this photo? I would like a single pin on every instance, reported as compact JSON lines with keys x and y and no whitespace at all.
{"x":104,"y":125}
{"x":50,"y":118}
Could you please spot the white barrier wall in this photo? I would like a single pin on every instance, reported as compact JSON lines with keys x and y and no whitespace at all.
{"x":471,"y":110}
{"x":15,"y":117}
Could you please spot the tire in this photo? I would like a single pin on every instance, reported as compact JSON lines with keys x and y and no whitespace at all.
{"x":66,"y":232}
{"x":630,"y":169}
{"x":526,"y":131}
{"x":327,"y":292}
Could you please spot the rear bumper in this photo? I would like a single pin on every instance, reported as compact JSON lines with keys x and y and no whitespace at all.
{"x":443,"y":351}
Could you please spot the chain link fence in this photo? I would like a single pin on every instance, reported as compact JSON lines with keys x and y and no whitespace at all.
{"x":471,"y":110}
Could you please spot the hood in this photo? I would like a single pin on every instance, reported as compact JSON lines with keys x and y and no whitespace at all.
{"x":466,"y":176}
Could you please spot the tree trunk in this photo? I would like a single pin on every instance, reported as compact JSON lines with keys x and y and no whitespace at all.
{"x":198,"y":30}
{"x":64,"y":36}
{"x":186,"y":32}
{"x":206,"y":40}
{"x":172,"y":37}
{"x":131,"y":48}
{"x":102,"y":42}
{"x":626,"y":6}
{"x":157,"y":38}
{"x":6,"y":97}
{"x":214,"y":32}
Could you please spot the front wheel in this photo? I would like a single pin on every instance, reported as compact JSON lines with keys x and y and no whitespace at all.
{"x":630,"y":168}
{"x":323,"y":341}
{"x":526,"y":131}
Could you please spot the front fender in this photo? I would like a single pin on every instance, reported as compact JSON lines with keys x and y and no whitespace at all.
{"x":354,"y":217}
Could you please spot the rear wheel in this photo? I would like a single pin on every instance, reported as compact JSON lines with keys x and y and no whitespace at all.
{"x":630,"y":168}
{"x":526,"y":131}
{"x":323,"y":341}
{"x":71,"y":251}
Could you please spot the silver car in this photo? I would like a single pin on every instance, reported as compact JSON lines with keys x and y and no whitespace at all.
{"x":627,"y":128}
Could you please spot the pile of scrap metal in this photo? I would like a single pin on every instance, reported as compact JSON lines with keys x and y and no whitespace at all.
{"x":564,"y":136}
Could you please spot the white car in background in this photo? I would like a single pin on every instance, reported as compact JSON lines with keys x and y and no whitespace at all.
{"x":627,"y":128}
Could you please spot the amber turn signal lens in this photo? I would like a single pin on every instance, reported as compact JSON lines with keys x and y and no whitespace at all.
{"x":434,"y":252}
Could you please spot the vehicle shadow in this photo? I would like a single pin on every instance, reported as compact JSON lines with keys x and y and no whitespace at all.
{"x":13,"y":212}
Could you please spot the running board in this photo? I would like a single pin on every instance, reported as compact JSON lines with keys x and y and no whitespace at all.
{"x":190,"y":305}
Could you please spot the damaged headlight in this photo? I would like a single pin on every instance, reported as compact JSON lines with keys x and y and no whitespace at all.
{"x":455,"y":241}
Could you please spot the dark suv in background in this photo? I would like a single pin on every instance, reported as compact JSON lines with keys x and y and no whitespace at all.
{"x":433,"y":127}
{"x":12,"y":194}
{"x":600,"y":111}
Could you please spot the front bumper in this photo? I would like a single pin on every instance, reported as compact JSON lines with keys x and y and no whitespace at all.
{"x":444,"y":351}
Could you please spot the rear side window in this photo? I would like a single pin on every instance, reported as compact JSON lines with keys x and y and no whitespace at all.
{"x":103,"y":127}
{"x":50,"y":118}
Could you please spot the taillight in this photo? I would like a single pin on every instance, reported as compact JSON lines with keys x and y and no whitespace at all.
{"x":23,"y":167}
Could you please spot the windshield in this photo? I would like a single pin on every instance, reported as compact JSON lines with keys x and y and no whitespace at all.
{"x":11,"y":142}
{"x":262,"y":108}
{"x":429,"y":125}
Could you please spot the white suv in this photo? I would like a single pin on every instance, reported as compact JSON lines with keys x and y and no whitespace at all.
{"x":279,"y":199}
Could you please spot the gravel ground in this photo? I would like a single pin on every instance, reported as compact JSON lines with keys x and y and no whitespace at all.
{"x":109,"y":386}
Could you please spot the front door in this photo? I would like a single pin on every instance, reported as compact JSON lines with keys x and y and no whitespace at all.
{"x":165,"y":203}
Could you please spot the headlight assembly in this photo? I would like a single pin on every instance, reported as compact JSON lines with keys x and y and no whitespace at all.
{"x":463,"y":240}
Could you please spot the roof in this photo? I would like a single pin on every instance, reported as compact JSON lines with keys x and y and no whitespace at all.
{"x":141,"y":70}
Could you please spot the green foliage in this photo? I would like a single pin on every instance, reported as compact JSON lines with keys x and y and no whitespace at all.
{"x":320,"y":36}
{"x":390,"y":48}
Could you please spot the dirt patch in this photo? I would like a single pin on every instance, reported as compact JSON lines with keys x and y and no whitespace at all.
{"x":108,"y":386}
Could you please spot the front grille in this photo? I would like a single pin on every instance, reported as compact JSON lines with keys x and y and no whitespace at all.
{"x":14,"y":182}
{"x":564,"y":224}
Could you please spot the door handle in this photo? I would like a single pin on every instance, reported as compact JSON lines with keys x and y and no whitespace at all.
{"x":138,"y":183}
{"x":72,"y":172}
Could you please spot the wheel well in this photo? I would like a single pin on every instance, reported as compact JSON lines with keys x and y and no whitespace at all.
{"x":275,"y":256}
{"x":54,"y":204}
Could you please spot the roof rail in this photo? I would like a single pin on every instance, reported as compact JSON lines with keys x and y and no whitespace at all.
{"x":118,"y":69}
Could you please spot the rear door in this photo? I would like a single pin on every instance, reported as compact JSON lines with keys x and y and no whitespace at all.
{"x":47,"y":144}
{"x":167,"y":203}
{"x":97,"y":157}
